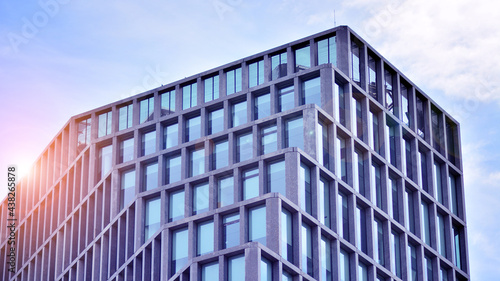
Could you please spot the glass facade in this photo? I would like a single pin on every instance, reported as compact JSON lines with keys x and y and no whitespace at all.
{"x":286,"y":235}
{"x":150,"y":176}
{"x":220,"y":156}
{"x":127,"y":187}
{"x":266,"y":270}
{"x":210,"y":271}
{"x":326,"y":259}
{"x":305,"y":191}
{"x":302,"y":58}
{"x":236,"y":268}
{"x":327,"y":51}
{"x":105,"y":159}
{"x":294,"y":133}
{"x":231,"y":230}
{"x":278,"y":65}
{"x":311,"y":91}
{"x":306,"y":242}
{"x":179,"y":249}
{"x":269,"y":139}
{"x":193,"y":128}
{"x":200,"y":198}
{"x":105,"y":121}
{"x":250,"y":179}
{"x":225,"y":191}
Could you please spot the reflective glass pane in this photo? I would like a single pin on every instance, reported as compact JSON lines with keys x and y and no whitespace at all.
{"x":221,"y":155}
{"x":196,"y":162}
{"x":244,"y":147}
{"x":250,"y":180}
{"x":226,"y":191}
{"x":150,"y":178}
{"x":236,"y":268}
{"x":269,"y":140}
{"x":170,"y":136}
{"x":200,"y":198}
{"x":311,"y":91}
{"x":257,"y":225}
{"x":276,"y":177}
{"x":262,"y":106}
{"x":286,"y":98}
{"x":176,"y":206}
{"x":174,"y":171}
{"x":210,"y":272}
{"x":148,"y":143}
{"x":193,"y":128}
{"x":126,"y":150}
{"x":231,"y":228}
{"x":179,"y":249}
{"x":205,"y":238}
{"x":239,"y":114}
{"x":294,"y":133}
{"x":152,"y":217}
{"x":127,"y":187}
{"x":216,"y":121}
{"x":302,"y":58}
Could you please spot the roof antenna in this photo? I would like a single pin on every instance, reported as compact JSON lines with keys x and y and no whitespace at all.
{"x":334,"y":21}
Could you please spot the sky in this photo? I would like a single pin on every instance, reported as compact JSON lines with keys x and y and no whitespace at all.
{"x":59,"y":58}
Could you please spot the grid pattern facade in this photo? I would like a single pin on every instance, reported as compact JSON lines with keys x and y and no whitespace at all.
{"x":315,"y":160}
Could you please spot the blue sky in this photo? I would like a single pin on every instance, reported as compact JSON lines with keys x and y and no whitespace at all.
{"x":59,"y":58}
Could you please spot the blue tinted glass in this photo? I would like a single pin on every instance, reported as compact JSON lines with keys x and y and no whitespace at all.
{"x":105,"y":156}
{"x":257,"y":225}
{"x":276,"y":177}
{"x":127,"y":187}
{"x":262,"y":106}
{"x":150,"y":176}
{"x":302,"y":58}
{"x":148,"y":143}
{"x":236,"y":268}
{"x":245,"y":147}
{"x":170,"y":136}
{"x":176,"y":206}
{"x":239,"y":113}
{"x":179,"y":249}
{"x":221,"y":155}
{"x":266,"y":270}
{"x":216,"y":121}
{"x":210,"y":272}
{"x":250,"y":184}
{"x":294,"y":133}
{"x":311,"y":91}
{"x":269,"y":139}
{"x":174,"y":169}
{"x":126,"y":150}
{"x":152,"y":217}
{"x":286,"y":98}
{"x":231,"y":224}
{"x":205,"y":238}
{"x":226,"y":191}
{"x":200,"y":198}
{"x":193,"y":128}
{"x":197,"y":162}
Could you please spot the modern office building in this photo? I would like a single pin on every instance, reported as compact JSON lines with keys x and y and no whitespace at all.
{"x":315,"y":160}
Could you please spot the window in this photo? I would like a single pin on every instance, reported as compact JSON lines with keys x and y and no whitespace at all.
{"x":341,"y":158}
{"x":357,"y":118}
{"x":205,"y":239}
{"x":361,"y":230}
{"x":231,"y":229}
{"x":244,"y":147}
{"x":409,"y":211}
{"x":307,"y":259}
{"x":395,"y":254}
{"x":276,"y":177}
{"x":294,"y":133}
{"x":233,"y":81}
{"x":405,"y":106}
{"x":179,"y":249}
{"x":278,"y":65}
{"x":239,"y":113}
{"x":105,"y":159}
{"x":150,"y":176}
{"x":322,"y":144}
{"x":422,"y":181}
{"x":426,"y":226}
{"x":226,"y":191}
{"x":266,"y":270}
{"x":441,"y":241}
{"x":105,"y":121}
{"x":452,"y":141}
{"x":343,"y":216}
{"x":189,"y":95}
{"x":305,"y":188}
{"x":286,"y":98}
{"x":176,"y":206}
{"x":210,"y":271}
{"x":372,"y":77}
{"x":374,"y":140}
{"x":152,"y":217}
{"x":359,"y":173}
{"x":393,"y":200}
{"x":340,"y":102}
{"x":200,"y":198}
{"x":457,"y":241}
{"x":455,"y":193}
{"x":262,"y":106}
{"x":125,"y":117}
{"x":147,"y":107}
{"x":356,"y":63}
{"x":376,"y":182}
{"x":326,"y":259}
{"x":437,"y":124}
{"x":269,"y":139}
{"x":148,"y":143}
{"x":429,"y":270}
{"x":408,"y":162}
{"x":170,"y":135}
{"x":167,"y":102}
{"x":311,"y":91}
{"x":344,"y":266}
{"x":193,"y":128}
{"x":439,"y":188}
{"x":126,"y":150}
{"x":302,"y":58}
{"x":174,"y":171}
{"x":220,"y":156}
{"x":327,"y":51}
{"x":236,"y":268}
{"x":256,"y":73}
{"x":83,"y":138}
{"x":216,"y":121}
{"x":127,"y":193}
{"x":286,"y":235}
{"x":250,"y":179}
{"x":211,"y":88}
{"x":378,"y":242}
{"x":412,"y":263}
{"x":286,"y":276}
{"x":389,"y":100}
{"x":390,"y":142}
{"x":420,"y":117}
{"x":324,"y":201}
{"x":257,"y":225}
{"x":443,"y":274}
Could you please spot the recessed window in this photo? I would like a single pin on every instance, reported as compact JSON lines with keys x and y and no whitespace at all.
{"x":250,"y":179}
{"x":278,"y":65}
{"x":361,"y":242}
{"x":196,"y":162}
{"x":455,"y":193}
{"x":269,"y":139}
{"x":167,"y":103}
{"x":266,"y":270}
{"x":211,"y":88}
{"x":83,"y":139}
{"x":147,"y":107}
{"x":341,"y":151}
{"x":305,"y":188}
{"x":396,"y":254}
{"x":408,"y":158}
{"x":193,"y":128}
{"x":238,"y":113}
{"x":326,"y":259}
{"x":150,"y":176}
{"x":311,"y":91}
{"x":307,"y":244}
{"x":429,"y":272}
{"x":236,"y":268}
{"x":233,"y":81}
{"x":356,"y":63}
{"x":420,"y":116}
{"x":343,"y":216}
{"x":323,"y":144}
{"x":327,"y":51}
{"x":437,"y":131}
{"x":372,"y":77}
{"x":225,"y":191}
{"x":457,"y":242}
{"x":125,"y":117}
{"x":409,"y":211}
{"x":422,"y":181}
{"x":339,"y":98}
{"x":244,"y":147}
{"x":294,"y":133}
{"x":173,"y":169}
{"x":262,"y":106}
{"x":302,"y":58}
{"x":286,"y":98}
{"x":176,"y":206}
{"x":105,"y":121}
{"x":357,"y":118}
{"x":374,"y":128}
{"x":389,"y":99}
{"x":425,"y":223}
{"x":376,"y":183}
{"x":231,"y":230}
{"x":286,"y":235}
{"x":412,"y":263}
{"x":148,"y":143}
{"x":210,"y":271}
{"x":344,"y":266}
{"x":200,"y":198}
{"x":405,"y":105}
{"x":105,"y":157}
{"x":439,"y":188}
{"x":216,"y":121}
{"x":127,"y":187}
{"x":256,"y":73}
{"x":126,"y":150}
{"x":378,"y":242}
{"x":152,"y":217}
{"x":441,"y":241}
{"x":324,"y":201}
{"x":189,"y":95}
{"x":179,"y":249}
{"x":394,"y":198}
{"x":205,"y":239}
{"x":257,"y":225}
{"x":362,"y":272}
{"x":390,"y":142}
{"x":170,"y":135}
{"x":276,"y":177}
{"x":220,"y":156}
{"x":358,"y":168}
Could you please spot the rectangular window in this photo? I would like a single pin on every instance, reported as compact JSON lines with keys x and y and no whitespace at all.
{"x":193,"y":128}
{"x":266,"y":270}
{"x":250,"y":179}
{"x":374,"y":139}
{"x":393,"y":193}
{"x":395,"y":254}
{"x":437,"y":132}
{"x":443,"y":274}
{"x":262,"y":106}
{"x":269,"y":139}
{"x":286,"y":276}
{"x":125,"y":117}
{"x":148,"y":143}
{"x":189,"y":95}
{"x":439,"y":188}
{"x":256,"y":73}
{"x":356,"y":63}
{"x":170,"y":136}
{"x":286,"y":235}
{"x":378,"y":242}
{"x":326,"y":259}
{"x":457,"y":238}
{"x":152,"y":217}
{"x":150,"y":176}
{"x":359,"y":173}
{"x":302,"y":58}
{"x":362,"y":272}
{"x":210,"y":271}
{"x":205,"y":238}
{"x":422,"y":181}
{"x":307,"y":258}
{"x":372,"y":77}
{"x":376,"y":182}
{"x":343,"y":216}
{"x":405,"y":106}
{"x":455,"y":193}
{"x":344,"y":266}
{"x":167,"y":102}
{"x":327,"y":51}
{"x":244,"y":147}
{"x":389,"y":100}
{"x":420,"y":117}
{"x":174,"y":172}
{"x":105,"y":160}
{"x":452,"y":141}
{"x":231,"y":230}
{"x":83,"y":139}
{"x":408,"y":162}
{"x":127,"y":193}
{"x":390,"y":142}
{"x":220,"y":156}
{"x":216,"y":121}
{"x":126,"y":150}
{"x":357,"y":118}
{"x":286,"y":98}
{"x":426,"y":226}
{"x":429,"y":271}
{"x":147,"y":107}
{"x":179,"y":249}
{"x":305,"y":188}
{"x":236,"y":268}
{"x":409,"y":211}
{"x":257,"y":225}
{"x":211,"y":88}
{"x":311,"y":91}
{"x":322,"y":144}
{"x":233,"y":81}
{"x":441,"y":241}
{"x":276,"y":177}
{"x":176,"y":206}
{"x":339,"y":97}
{"x":105,"y":121}
{"x":278,"y":65}
{"x":226,"y":191}
{"x":341,"y":158}
{"x":361,"y":230}
{"x":294,"y":133}
{"x":200,"y":198}
{"x":239,"y":113}
{"x":196,"y":162}
{"x":324,"y":201}
{"x":412,"y":263}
